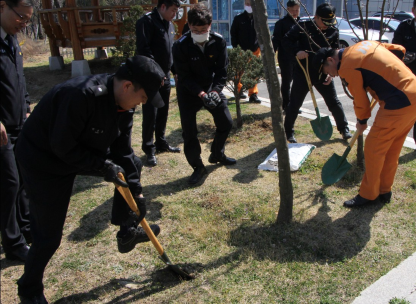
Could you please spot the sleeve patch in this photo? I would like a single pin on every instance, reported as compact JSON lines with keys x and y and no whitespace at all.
{"x":99,"y":90}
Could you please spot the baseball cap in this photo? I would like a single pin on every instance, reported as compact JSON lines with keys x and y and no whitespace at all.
{"x":327,"y":14}
{"x":149,"y":75}
{"x":320,"y":57}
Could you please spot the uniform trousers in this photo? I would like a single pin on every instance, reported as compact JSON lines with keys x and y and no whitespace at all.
{"x":286,"y":66}
{"x":382,"y":149}
{"x":14,"y":202}
{"x":297,"y":95}
{"x":154,"y":121}
{"x":189,"y":105}
{"x":49,"y":196}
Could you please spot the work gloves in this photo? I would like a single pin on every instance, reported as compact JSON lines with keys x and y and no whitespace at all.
{"x":211,"y":100}
{"x":141,"y":205}
{"x":110,"y":171}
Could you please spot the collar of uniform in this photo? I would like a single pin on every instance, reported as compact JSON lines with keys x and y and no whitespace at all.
{"x":341,"y":51}
{"x":110,"y":88}
{"x":3,"y":33}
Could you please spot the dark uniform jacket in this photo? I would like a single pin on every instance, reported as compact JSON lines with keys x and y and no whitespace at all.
{"x":296,"y":40}
{"x":243,"y":32}
{"x":198,"y":71}
{"x":281,"y":27}
{"x":154,"y":39}
{"x":73,"y":128}
{"x":405,"y":35}
{"x":14,"y":99}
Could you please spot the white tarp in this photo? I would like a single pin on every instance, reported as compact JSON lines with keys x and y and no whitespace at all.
{"x":298,"y":153}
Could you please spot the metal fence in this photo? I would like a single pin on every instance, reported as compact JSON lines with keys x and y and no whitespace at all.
{"x":67,"y":52}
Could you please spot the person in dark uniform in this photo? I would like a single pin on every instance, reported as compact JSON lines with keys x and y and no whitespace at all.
{"x":154,"y":39}
{"x":14,"y":109}
{"x":405,"y":35}
{"x":200,"y":59}
{"x":243,"y":34}
{"x":296,"y":42}
{"x":286,"y":60}
{"x":83,"y":126}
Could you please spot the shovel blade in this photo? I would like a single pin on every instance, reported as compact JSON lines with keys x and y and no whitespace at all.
{"x":322,"y":127}
{"x":334,"y":169}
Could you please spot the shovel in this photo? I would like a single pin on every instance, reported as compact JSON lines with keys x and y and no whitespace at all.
{"x":321,"y":126}
{"x":125,"y":192}
{"x":337,"y":166}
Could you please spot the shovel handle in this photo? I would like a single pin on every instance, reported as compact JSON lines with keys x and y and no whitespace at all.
{"x":308,"y":80}
{"x":354,"y":138}
{"x":125,"y":192}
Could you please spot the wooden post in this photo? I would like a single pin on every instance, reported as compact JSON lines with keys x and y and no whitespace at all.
{"x":47,"y":4}
{"x":76,"y":43}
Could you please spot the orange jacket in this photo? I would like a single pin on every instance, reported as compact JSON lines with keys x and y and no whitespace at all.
{"x":374,"y":67}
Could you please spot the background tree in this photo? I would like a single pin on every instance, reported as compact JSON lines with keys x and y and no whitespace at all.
{"x":285,"y":213}
{"x":127,"y":46}
{"x":244,"y":68}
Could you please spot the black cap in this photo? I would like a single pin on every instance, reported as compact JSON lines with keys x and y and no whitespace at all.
{"x":320,"y":57}
{"x":149,"y":75}
{"x":327,"y":14}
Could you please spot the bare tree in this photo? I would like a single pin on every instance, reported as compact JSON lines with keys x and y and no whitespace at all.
{"x":285,"y":213}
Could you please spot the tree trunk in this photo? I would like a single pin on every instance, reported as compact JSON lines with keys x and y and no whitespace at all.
{"x":273,"y":86}
{"x":238,"y":107}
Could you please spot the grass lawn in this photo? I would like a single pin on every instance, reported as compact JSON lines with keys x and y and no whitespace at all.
{"x":224,"y":230}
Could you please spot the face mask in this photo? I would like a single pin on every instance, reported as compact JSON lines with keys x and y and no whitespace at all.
{"x":248,"y":9}
{"x":200,"y":38}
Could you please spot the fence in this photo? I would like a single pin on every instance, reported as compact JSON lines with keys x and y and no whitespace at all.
{"x":67,"y":52}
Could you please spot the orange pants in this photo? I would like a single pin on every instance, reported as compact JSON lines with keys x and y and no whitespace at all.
{"x":382,"y":149}
{"x":254,"y":89}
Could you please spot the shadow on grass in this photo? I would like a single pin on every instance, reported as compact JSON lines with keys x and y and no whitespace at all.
{"x":158,"y":281}
{"x":407,"y":157}
{"x":318,"y":240}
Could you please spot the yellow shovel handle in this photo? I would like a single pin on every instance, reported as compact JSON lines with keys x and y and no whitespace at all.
{"x":125,"y":192}
{"x":354,"y":138}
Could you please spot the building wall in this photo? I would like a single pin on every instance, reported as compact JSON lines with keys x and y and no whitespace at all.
{"x":224,"y":11}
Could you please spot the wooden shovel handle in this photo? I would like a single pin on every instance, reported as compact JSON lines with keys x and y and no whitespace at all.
{"x":308,"y":80}
{"x":354,"y":138}
{"x":125,"y":192}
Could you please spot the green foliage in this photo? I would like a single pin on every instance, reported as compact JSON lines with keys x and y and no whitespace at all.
{"x":243,"y":67}
{"x":127,"y":45}
{"x":398,"y":301}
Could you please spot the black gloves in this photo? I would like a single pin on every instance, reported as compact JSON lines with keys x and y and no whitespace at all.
{"x":211,"y":100}
{"x":141,"y":205}
{"x":110,"y":171}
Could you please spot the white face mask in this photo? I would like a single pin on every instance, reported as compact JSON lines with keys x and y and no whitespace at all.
{"x":248,"y":9}
{"x":200,"y":38}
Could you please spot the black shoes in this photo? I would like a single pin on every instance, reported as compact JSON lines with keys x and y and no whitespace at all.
{"x":168,"y":149}
{"x":127,"y":242}
{"x":292,"y":139}
{"x":199,"y":172}
{"x":223,"y":160}
{"x":18,"y":254}
{"x":385,"y":198}
{"x":346,"y":134}
{"x":242,"y":95}
{"x":151,"y":160}
{"x":39,"y":299}
{"x":359,"y":201}
{"x":254,"y":99}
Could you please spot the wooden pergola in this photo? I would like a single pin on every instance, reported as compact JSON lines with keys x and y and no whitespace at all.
{"x":86,"y":27}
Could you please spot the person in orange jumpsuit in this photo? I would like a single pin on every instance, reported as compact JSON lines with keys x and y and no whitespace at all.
{"x":243,"y":34}
{"x":374,"y":67}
